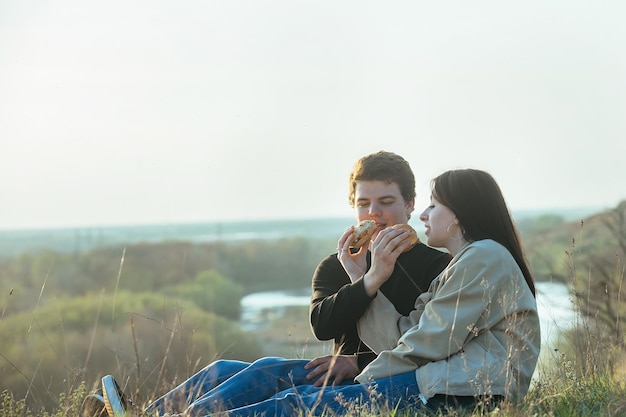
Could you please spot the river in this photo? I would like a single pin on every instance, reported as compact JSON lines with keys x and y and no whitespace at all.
{"x":553,"y":303}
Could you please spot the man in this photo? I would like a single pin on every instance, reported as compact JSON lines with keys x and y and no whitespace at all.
{"x":381,"y":188}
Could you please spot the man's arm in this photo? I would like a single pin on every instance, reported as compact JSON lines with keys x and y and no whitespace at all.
{"x":336,"y":303}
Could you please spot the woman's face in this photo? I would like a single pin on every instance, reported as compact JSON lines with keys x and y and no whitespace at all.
{"x":442,"y":228}
{"x":381,"y":202}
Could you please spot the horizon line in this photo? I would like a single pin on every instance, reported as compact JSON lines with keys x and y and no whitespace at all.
{"x":587,"y":210}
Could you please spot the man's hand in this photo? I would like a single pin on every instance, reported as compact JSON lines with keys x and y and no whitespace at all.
{"x":332,"y":369}
{"x":355,"y":264}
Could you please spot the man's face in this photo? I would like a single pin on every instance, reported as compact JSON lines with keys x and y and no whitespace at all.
{"x":381,"y":202}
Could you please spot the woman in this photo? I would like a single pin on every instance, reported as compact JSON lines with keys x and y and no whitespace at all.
{"x":473,"y":336}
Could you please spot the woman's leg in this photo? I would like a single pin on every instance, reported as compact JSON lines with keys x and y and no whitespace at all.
{"x":398,"y":393}
{"x":261,"y":380}
{"x":178,"y":399}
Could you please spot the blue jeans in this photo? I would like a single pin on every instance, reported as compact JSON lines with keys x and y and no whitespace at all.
{"x":278,"y":387}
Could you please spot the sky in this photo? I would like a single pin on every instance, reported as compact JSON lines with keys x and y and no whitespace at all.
{"x":153,"y":111}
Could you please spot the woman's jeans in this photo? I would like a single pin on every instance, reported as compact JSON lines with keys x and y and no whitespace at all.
{"x":278,"y":387}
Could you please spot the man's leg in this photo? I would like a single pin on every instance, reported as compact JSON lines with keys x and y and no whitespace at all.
{"x":261,"y":380}
{"x":203,"y":381}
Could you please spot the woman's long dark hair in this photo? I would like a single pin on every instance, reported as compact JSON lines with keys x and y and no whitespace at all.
{"x":478,"y":203}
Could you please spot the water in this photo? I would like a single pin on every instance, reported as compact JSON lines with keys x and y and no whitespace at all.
{"x":81,"y":239}
{"x":553,"y":304}
{"x":258,"y":308}
{"x":556,"y":310}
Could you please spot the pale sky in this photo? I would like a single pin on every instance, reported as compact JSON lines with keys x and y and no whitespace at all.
{"x":152,"y":111}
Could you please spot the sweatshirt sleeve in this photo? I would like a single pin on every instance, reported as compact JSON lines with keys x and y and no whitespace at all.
{"x":381,"y":326}
{"x":336,"y":303}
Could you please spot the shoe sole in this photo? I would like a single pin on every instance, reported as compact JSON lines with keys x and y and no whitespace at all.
{"x":112,"y":399}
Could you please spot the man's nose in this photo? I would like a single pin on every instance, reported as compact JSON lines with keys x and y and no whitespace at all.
{"x":375,"y":209}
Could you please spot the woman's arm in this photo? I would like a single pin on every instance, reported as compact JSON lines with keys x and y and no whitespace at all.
{"x":440,"y":326}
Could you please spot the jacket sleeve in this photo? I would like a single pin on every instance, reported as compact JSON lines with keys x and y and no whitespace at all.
{"x":440,"y":325}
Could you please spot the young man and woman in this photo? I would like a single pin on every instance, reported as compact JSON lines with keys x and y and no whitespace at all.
{"x":472,"y":336}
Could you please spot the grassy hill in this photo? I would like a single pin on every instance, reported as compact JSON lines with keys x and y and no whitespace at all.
{"x":557,"y":249}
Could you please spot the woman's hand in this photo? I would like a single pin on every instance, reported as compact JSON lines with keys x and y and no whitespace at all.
{"x":385,"y":249}
{"x":355,"y":264}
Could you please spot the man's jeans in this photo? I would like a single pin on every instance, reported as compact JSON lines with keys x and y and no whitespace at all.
{"x":278,"y":387}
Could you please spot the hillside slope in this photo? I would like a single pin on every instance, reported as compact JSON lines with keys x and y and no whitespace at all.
{"x":557,"y":249}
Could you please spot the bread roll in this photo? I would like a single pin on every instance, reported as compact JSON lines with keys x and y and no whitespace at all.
{"x":413,"y":238}
{"x":363,"y":233}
